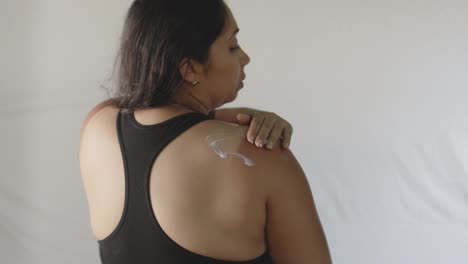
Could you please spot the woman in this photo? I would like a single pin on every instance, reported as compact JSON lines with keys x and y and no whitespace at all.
{"x":168,"y":183}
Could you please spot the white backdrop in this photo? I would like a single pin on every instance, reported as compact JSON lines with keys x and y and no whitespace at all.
{"x":376,"y":92}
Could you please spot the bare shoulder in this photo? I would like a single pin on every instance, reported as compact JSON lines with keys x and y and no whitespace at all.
{"x":229,"y":150}
{"x":107,"y":104}
{"x":231,"y":141}
{"x":98,"y":137}
{"x":224,"y":149}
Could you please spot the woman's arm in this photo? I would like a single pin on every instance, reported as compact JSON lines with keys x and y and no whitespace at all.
{"x":294,"y":231}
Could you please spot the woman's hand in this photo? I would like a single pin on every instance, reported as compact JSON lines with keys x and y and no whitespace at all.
{"x":266,"y":128}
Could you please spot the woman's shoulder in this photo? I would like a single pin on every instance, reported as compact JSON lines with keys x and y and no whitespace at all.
{"x":226,"y":144}
{"x":104,"y":110}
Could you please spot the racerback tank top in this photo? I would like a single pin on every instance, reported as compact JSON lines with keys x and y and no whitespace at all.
{"x":138,"y":237}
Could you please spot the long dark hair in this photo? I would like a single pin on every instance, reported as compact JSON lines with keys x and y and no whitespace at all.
{"x":156,"y":36}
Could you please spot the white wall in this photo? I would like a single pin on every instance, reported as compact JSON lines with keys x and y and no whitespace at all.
{"x":376,"y":92}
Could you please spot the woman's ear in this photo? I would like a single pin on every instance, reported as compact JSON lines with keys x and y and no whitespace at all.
{"x":188,"y":70}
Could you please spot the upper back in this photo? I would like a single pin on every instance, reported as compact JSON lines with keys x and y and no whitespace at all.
{"x":212,"y":192}
{"x":207,"y":204}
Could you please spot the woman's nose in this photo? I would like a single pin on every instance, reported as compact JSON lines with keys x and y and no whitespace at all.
{"x":245,"y":58}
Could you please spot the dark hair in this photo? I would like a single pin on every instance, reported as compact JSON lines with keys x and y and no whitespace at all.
{"x":156,"y":36}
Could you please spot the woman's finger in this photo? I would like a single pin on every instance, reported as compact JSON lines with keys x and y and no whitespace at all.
{"x":254,"y":127}
{"x":287,"y":133}
{"x":275,"y":135}
{"x":265,"y":130}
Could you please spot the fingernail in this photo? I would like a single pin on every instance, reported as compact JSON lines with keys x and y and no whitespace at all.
{"x":269,"y":146}
{"x":259,"y":143}
{"x":250,"y":139}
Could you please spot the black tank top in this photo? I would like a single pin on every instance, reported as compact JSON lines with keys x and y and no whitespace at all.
{"x":138,"y":238}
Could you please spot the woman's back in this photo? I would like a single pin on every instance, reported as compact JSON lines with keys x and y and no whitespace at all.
{"x":211,"y":206}
{"x":208,"y":205}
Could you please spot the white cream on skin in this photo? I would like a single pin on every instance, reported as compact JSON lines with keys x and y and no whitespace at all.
{"x":217,"y":143}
